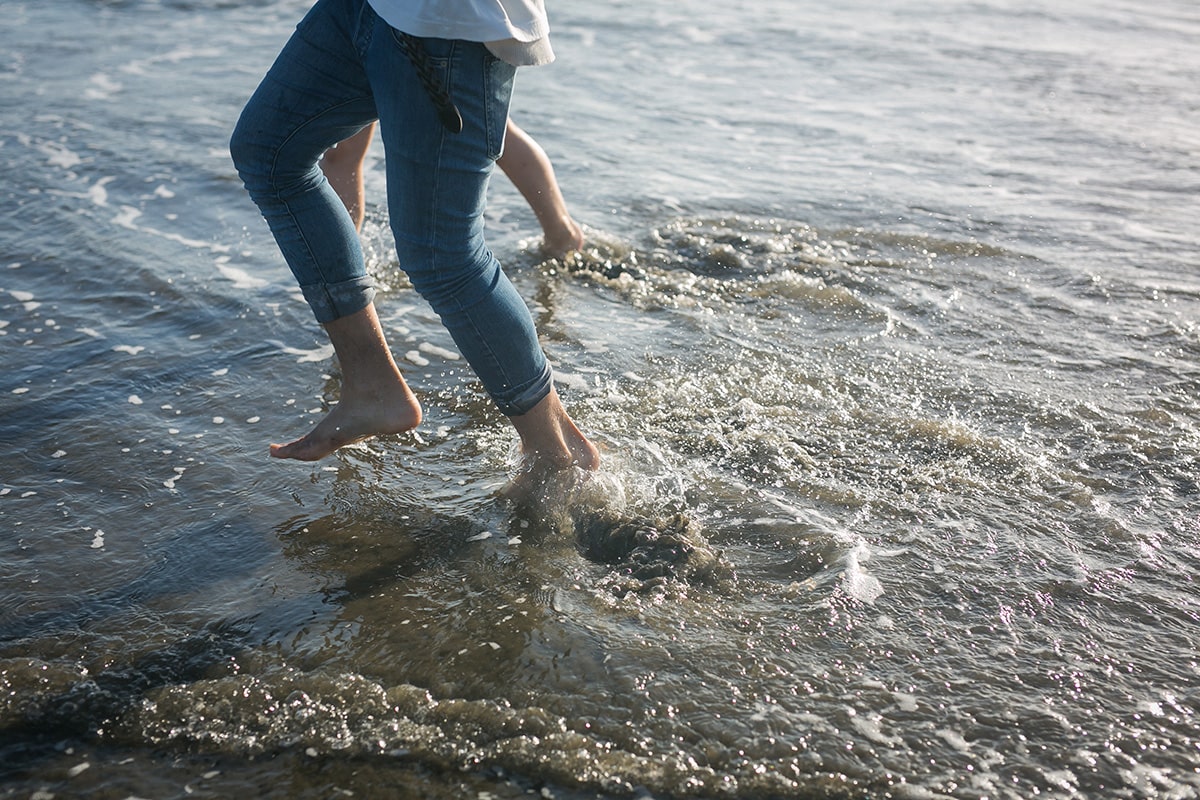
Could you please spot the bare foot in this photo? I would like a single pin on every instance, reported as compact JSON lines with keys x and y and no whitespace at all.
{"x":561,"y":239}
{"x":352,"y":420}
{"x":375,"y":397}
{"x":551,"y":442}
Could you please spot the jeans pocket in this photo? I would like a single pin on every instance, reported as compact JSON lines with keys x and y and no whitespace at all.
{"x":432,"y":70}
{"x":498,"y":85}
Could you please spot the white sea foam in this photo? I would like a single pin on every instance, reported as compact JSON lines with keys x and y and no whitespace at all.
{"x":573,"y":382}
{"x":97,"y":193}
{"x":146,"y":66}
{"x":954,"y":739}
{"x":440,"y":352}
{"x":59,"y":155}
{"x":317,"y":354}
{"x":102,"y":87}
{"x":170,"y":482}
{"x":872,"y":728}
{"x":416,"y":358}
{"x":239,"y":277}
{"x":857,"y":582}
{"x":128,"y":216}
{"x":905,"y":702}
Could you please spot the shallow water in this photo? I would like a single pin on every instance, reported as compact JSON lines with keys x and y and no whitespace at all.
{"x":888,"y":329}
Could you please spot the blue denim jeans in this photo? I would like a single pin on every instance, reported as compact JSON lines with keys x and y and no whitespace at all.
{"x":342,"y":69}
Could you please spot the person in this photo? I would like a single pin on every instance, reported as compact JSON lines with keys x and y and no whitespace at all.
{"x":523,"y":161}
{"x":439,"y":85}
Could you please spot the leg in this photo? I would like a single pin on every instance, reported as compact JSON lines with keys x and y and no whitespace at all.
{"x":314,"y":96}
{"x":437,"y":184}
{"x":342,"y":165}
{"x":528,"y":167}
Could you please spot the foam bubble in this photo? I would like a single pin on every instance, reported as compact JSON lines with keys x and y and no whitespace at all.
{"x":58,"y":155}
{"x":440,"y":352}
{"x":954,"y":739}
{"x":857,"y":582}
{"x":323,"y":353}
{"x":872,"y":728}
{"x":97,"y":193}
{"x":126,"y":217}
{"x":102,"y":87}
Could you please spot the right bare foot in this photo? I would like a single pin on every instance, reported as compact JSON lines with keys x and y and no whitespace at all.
{"x":354,"y":419}
{"x":550,"y":440}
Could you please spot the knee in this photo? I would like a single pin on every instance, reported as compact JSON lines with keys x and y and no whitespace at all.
{"x":450,"y":279}
{"x":247,"y":153}
{"x":267,"y":165}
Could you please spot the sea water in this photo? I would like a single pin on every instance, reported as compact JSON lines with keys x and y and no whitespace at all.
{"x":887,"y":327}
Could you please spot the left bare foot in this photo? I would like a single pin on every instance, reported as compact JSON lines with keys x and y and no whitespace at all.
{"x":352,"y":420}
{"x":375,"y":397}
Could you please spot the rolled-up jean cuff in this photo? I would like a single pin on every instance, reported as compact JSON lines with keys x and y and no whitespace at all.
{"x":521,"y":399}
{"x":331,"y":301}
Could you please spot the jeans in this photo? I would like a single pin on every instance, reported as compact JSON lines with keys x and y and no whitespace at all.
{"x":342,"y":69}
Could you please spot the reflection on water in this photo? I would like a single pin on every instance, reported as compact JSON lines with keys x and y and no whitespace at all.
{"x":888,"y":338}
